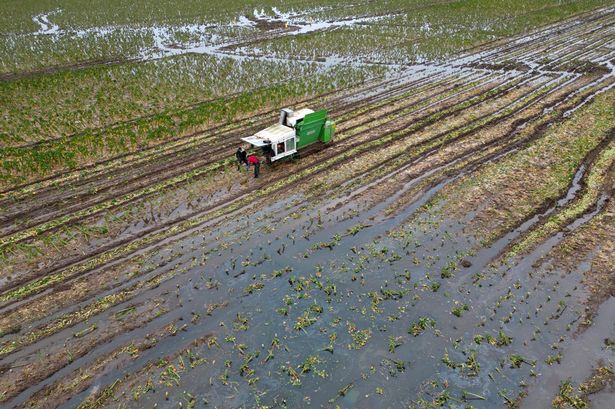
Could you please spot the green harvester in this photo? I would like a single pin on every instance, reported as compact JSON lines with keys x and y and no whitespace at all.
{"x":295,"y":131}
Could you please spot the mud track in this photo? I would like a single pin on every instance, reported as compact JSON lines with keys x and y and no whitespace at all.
{"x":503,"y":148}
{"x":400,"y":142}
{"x":198,"y":159}
{"x":177,"y":160}
{"x":429,"y":118}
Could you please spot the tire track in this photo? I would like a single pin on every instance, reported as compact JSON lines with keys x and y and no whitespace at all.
{"x":332,"y":156}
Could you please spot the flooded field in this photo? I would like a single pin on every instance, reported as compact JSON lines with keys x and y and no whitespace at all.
{"x":453,"y":246}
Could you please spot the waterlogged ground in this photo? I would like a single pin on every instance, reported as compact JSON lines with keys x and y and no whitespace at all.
{"x":452,"y":248}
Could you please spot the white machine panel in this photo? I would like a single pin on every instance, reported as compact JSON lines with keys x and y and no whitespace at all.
{"x":297,"y":115}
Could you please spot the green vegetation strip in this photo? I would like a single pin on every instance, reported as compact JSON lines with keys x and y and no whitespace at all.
{"x":91,"y":310}
{"x":52,"y":279}
{"x":35,"y":231}
{"x":595,"y":183}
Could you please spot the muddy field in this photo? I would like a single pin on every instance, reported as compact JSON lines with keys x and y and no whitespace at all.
{"x":453,"y":247}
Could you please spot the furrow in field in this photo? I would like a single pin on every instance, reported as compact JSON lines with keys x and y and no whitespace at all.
{"x":350,"y":150}
{"x":521,"y":125}
{"x":196,"y":156}
{"x":497,"y":138}
{"x":455,"y":124}
{"x":519,"y":92}
{"x":32,"y":372}
{"x":585,"y":198}
{"x":537,"y":39}
{"x":563,"y":62}
{"x":540,"y":204}
{"x":597,"y":165}
{"x":54,"y":394}
{"x":558,"y":47}
{"x":506,"y":119}
{"x":149,"y":189}
{"x":582,"y":60}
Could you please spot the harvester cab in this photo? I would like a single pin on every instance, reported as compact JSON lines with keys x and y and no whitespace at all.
{"x":295,"y":130}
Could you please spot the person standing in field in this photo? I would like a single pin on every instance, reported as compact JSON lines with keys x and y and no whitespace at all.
{"x":241,"y":156}
{"x":253,"y":160}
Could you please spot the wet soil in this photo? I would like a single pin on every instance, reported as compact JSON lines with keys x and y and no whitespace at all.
{"x":70,"y":67}
{"x":337,"y":279}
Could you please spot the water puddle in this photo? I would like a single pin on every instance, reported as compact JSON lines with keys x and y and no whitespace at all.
{"x":594,"y":94}
{"x":363,"y":318}
{"x":581,"y":355}
{"x":46,"y":26}
{"x":206,"y":38}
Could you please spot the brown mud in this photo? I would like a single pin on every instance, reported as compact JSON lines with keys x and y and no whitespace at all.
{"x":329,"y":272}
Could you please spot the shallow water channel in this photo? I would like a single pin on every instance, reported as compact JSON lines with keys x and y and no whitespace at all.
{"x":352,"y":316}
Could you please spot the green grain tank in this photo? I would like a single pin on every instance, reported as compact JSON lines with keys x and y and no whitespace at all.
{"x":295,"y":131}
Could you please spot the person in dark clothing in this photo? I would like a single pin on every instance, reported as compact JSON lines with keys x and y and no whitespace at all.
{"x":268,"y":152}
{"x":242,"y":158}
{"x":253,"y":160}
{"x":238,"y":157}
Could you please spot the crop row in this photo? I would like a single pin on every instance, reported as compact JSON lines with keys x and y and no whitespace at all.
{"x":19,"y":165}
{"x":246,"y":199}
{"x":354,"y":304}
{"x":353,"y":334}
{"x":394,"y":135}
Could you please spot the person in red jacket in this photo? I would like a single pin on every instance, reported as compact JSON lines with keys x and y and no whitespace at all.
{"x":253,"y":160}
